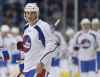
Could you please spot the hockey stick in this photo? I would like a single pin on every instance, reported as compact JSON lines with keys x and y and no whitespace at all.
{"x":57,"y":22}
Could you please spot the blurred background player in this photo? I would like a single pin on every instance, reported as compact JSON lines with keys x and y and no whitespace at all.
{"x":38,"y":41}
{"x":85,"y":44}
{"x":5,"y":43}
{"x":15,"y":32}
{"x":95,"y":24}
{"x":3,"y":66}
{"x":73,"y":54}
{"x":15,"y":54}
{"x":5,"y":56}
{"x":59,"y":55}
{"x":9,"y":38}
{"x":95,"y":27}
{"x":5,"y":38}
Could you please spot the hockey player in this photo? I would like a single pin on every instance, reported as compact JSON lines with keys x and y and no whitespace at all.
{"x":95,"y":29}
{"x":3,"y":66}
{"x":95,"y":24}
{"x":74,"y":59}
{"x":5,"y":30}
{"x":38,"y":41}
{"x":15,"y":33}
{"x":85,"y":44}
{"x":15,"y":54}
{"x":4,"y":43}
{"x":59,"y":55}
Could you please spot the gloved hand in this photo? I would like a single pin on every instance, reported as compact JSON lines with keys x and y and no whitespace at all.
{"x":76,"y":48}
{"x":40,"y":70}
{"x":20,"y":45}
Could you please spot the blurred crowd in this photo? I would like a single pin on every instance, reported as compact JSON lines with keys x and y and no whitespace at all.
{"x":11,"y":11}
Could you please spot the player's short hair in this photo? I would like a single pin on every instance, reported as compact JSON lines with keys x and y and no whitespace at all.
{"x":5,"y":28}
{"x":15,"y":30}
{"x":95,"y":21}
{"x":85,"y":21}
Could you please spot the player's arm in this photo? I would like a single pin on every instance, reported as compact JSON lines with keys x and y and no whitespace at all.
{"x":20,"y":46}
{"x":21,"y":61}
{"x":50,"y":42}
{"x":73,"y":45}
{"x":98,"y":42}
{"x":50,"y":46}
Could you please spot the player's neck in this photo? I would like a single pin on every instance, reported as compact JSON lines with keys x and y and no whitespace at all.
{"x":85,"y":30}
{"x":95,"y":30}
{"x":33,"y":22}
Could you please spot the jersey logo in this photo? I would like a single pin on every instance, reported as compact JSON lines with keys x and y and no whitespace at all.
{"x":85,"y":43}
{"x":40,"y":34}
{"x":26,"y":43}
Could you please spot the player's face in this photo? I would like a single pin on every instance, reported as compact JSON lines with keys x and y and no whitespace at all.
{"x":30,"y":16}
{"x":4,"y":34}
{"x":95,"y":26}
{"x":85,"y":26}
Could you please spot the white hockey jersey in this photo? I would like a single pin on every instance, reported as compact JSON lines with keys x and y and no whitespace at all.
{"x":62,"y":47}
{"x":86,"y":42}
{"x":39,"y":40}
{"x":98,"y":40}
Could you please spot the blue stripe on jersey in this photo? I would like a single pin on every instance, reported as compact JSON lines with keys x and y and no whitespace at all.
{"x":55,"y":62}
{"x":98,"y":60}
{"x":21,"y":67}
{"x":75,"y":60}
{"x":30,"y":73}
{"x":41,"y":35}
{"x":5,"y":55}
{"x":15,"y":57}
{"x":3,"y":63}
{"x":87,"y":66}
{"x":26,"y":26}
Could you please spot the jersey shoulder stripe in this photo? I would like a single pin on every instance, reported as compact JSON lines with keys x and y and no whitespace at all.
{"x":41,"y":35}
